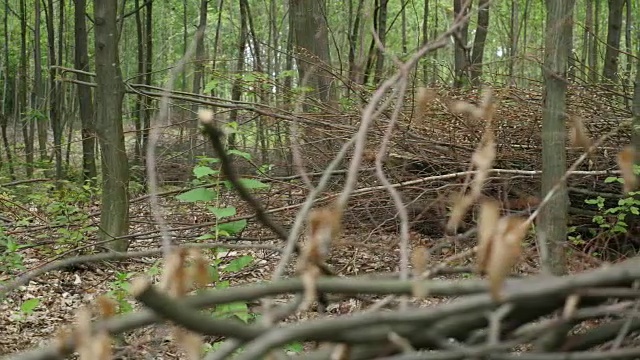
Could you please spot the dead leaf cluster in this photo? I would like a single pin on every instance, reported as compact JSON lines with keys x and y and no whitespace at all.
{"x":323,"y":225}
{"x":499,"y":244}
{"x":482,"y":158}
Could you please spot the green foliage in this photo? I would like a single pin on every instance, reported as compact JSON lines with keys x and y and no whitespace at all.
{"x":210,"y":185}
{"x":120,"y":290}
{"x":26,"y":308}
{"x":11,"y":260}
{"x":612,"y":220}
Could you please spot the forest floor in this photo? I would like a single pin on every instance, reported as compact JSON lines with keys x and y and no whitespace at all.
{"x":365,"y":247}
{"x":62,"y":293}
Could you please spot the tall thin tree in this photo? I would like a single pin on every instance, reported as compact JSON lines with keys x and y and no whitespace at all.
{"x":114,"y":214}
{"x":85,"y":99}
{"x":552,"y":224}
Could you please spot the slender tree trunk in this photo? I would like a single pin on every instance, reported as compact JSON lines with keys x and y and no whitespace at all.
{"x":148,"y":79}
{"x":552,"y":224}
{"x":114,"y":214}
{"x":355,"y":69}
{"x":198,"y":73}
{"x":4,"y":121}
{"x":22,"y":97}
{"x":382,"y":35}
{"x":612,"y":53}
{"x":425,"y":38}
{"x":478,"y":42}
{"x":261,"y":95}
{"x":596,"y":37}
{"x":236,"y":88}
{"x":513,"y":40}
{"x":461,"y":54}
{"x":629,"y":49}
{"x":41,"y":123}
{"x":435,"y":69}
{"x":85,"y":99}
{"x":138,"y":114}
{"x":591,"y":43}
{"x":635,"y":108}
{"x":311,"y":38}
{"x":54,"y":88}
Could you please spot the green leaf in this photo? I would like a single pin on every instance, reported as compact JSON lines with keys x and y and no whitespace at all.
{"x":253,"y":184}
{"x":200,"y":194}
{"x":295,"y":347}
{"x":211,"y":85}
{"x":222,"y":213}
{"x":200,"y":171}
{"x":238,"y":309}
{"x":206,"y":237}
{"x":240,"y":153}
{"x":238,"y":264}
{"x":28,"y":306}
{"x":214,"y":274}
{"x":611,"y":179}
{"x":232,"y":228}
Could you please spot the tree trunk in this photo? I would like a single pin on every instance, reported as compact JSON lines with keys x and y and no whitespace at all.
{"x":39,"y":91}
{"x":148,"y":71}
{"x":478,"y":42}
{"x":114,"y":214}
{"x":635,"y":108}
{"x":85,"y":100}
{"x":311,"y":39}
{"x":236,"y":88}
{"x":6,"y":83}
{"x":54,"y":88}
{"x":612,"y":53}
{"x":461,"y":54}
{"x":22,"y":97}
{"x":552,"y":223}
{"x":626,"y":83}
{"x":514,"y":32}
{"x":355,"y":69}
{"x":198,"y":73}
{"x":138,"y":114}
{"x":591,"y":43}
{"x":382,"y":31}
{"x":425,"y":38}
{"x":596,"y":32}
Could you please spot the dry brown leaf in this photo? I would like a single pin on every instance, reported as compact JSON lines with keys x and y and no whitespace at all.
{"x":199,"y":270}
{"x":341,"y":352}
{"x":309,"y":276}
{"x":82,"y":335}
{"x":570,"y":306}
{"x":424,"y":97}
{"x":482,"y":158}
{"x":106,"y":306}
{"x":463,"y":107}
{"x":505,"y":251}
{"x":419,"y":260}
{"x":487,"y":224}
{"x":88,"y":345}
{"x":461,"y":204}
{"x":323,"y":225}
{"x":579,"y":134}
{"x":626,"y":160}
{"x":191,"y":343}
